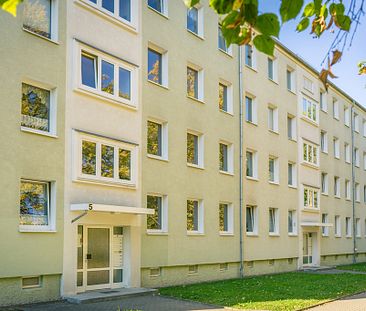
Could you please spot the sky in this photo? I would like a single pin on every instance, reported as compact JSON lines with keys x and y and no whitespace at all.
{"x":313,"y":51}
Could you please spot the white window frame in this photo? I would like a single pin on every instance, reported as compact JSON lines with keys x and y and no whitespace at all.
{"x":78,"y":176}
{"x":164,"y":64}
{"x":276,"y":219}
{"x":290,"y":72}
{"x":253,"y":56}
{"x":54,"y":23}
{"x":200,"y":222}
{"x":273,"y":119}
{"x":254,"y":110}
{"x":323,"y":101}
{"x":294,"y":174}
{"x":200,"y":82}
{"x":335,"y":109}
{"x":164,"y":5}
{"x":356,"y":122}
{"x":114,"y":17}
{"x":325,"y":229}
{"x":164,"y":213}
{"x":357,"y":193}
{"x":201,"y":149}
{"x":310,"y":204}
{"x":347,"y":190}
{"x":230,"y":219}
{"x":324,"y":183}
{"x":347,"y":120}
{"x":337,"y":226}
{"x":294,"y":222}
{"x":97,"y":92}
{"x":53,"y":108}
{"x":305,"y":104}
{"x":276,"y":172}
{"x":364,"y":194}
{"x":364,"y":127}
{"x":200,"y":22}
{"x":364,"y":161}
{"x":229,"y":49}
{"x":324,"y":141}
{"x":308,"y":84}
{"x":291,"y":127}
{"x":51,"y":206}
{"x":336,"y":148}
{"x":357,"y":157}
{"x":255,"y":164}
{"x":348,"y":224}
{"x":347,"y":153}
{"x":312,"y":147}
{"x":358,"y":227}
{"x":274,"y":69}
{"x":337,"y":187}
{"x":164,"y":139}
{"x":230,"y":157}
{"x":229,"y":96}
{"x":255,"y":220}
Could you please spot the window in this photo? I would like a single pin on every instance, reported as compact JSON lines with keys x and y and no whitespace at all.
{"x":158,"y":5}
{"x":226,"y":218}
{"x":348,"y":227}
{"x":195,"y":149}
{"x":38,"y":109}
{"x":325,"y":230}
{"x":251,"y":164}
{"x":290,"y":79}
{"x":346,"y":116}
{"x":119,"y":9}
{"x":195,"y":216}
{"x":195,"y":20}
{"x":324,"y":141}
{"x":195,"y":83}
{"x":250,"y":110}
{"x":36,"y":206}
{"x":226,"y":157}
{"x":310,"y":153}
{"x":158,"y":221}
{"x":336,"y":148}
{"x":357,"y":157}
{"x":40,"y":17}
{"x":31,"y":282}
{"x":358,"y":227}
{"x":272,"y":69}
{"x":337,"y":226}
{"x":291,"y":219}
{"x":309,"y":109}
{"x":107,"y":77}
{"x":357,"y":192}
{"x":192,"y":269}
{"x":273,"y":221}
{"x":347,"y":153}
{"x":249,"y":56}
{"x":225,"y":97}
{"x":324,"y":183}
{"x":155,"y":66}
{"x":222,"y":42}
{"x":157,"y":137}
{"x":273,"y":170}
{"x":251,"y":220}
{"x":356,"y":124}
{"x":364,"y":161}
{"x":311,"y":198}
{"x":291,"y":174}
{"x":347,"y":189}
{"x":308,"y":85}
{"x":335,"y":109}
{"x":273,"y":119}
{"x":364,"y":194}
{"x":291,"y":127}
{"x":104,"y":160}
{"x":323,"y":101}
{"x":364,"y":128}
{"x":337,"y":187}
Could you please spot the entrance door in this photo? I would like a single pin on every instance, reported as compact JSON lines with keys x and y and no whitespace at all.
{"x":307,"y":249}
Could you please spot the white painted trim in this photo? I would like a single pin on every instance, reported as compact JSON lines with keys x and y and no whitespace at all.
{"x":95,"y":207}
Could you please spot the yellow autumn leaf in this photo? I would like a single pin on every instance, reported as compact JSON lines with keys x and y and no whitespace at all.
{"x":10,"y":6}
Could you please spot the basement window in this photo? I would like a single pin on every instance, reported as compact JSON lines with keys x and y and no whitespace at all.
{"x":31,"y":282}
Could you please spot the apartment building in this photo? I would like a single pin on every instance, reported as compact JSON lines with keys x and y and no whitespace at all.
{"x":148,"y":153}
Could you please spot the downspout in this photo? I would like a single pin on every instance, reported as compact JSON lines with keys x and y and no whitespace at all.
{"x":353,"y":183}
{"x":241,"y":250}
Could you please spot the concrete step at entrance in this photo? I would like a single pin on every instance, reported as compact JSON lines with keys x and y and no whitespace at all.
{"x":320,"y":268}
{"x":109,"y":294}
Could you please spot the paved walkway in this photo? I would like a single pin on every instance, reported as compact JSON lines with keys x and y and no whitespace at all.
{"x":143,"y":303}
{"x":353,"y":303}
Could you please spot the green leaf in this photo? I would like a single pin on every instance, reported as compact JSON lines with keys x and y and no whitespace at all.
{"x":339,"y":9}
{"x":290,"y":9}
{"x":10,"y":6}
{"x":324,"y":11}
{"x":309,"y":10}
{"x":343,"y":22}
{"x":222,"y":6}
{"x":264,"y":44}
{"x":304,"y":23}
{"x":191,"y":3}
{"x":268,"y":24}
{"x":250,"y":11}
{"x":317,"y":6}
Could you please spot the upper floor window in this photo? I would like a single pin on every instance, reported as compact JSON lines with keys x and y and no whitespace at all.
{"x":348,"y":227}
{"x":309,"y":109}
{"x":157,"y":67}
{"x":103,"y":160}
{"x":225,"y":97}
{"x":324,"y":141}
{"x":290,"y":80}
{"x":157,"y":139}
{"x":323,"y":101}
{"x":291,"y":174}
{"x":356,"y":124}
{"x":335,"y":109}
{"x":195,"y":82}
{"x":222,"y":42}
{"x":251,"y":164}
{"x":308,"y":85}
{"x":157,"y":222}
{"x":226,"y":157}
{"x":325,"y":230}
{"x":226,"y":218}
{"x":119,"y":9}
{"x":273,"y":118}
{"x":347,"y":153}
{"x":194,"y":20}
{"x":356,"y":154}
{"x":291,"y":127}
{"x":38,"y":109}
{"x":273,"y":221}
{"x":158,"y":5}
{"x":347,"y":189}
{"x":310,"y":153}
{"x":39,"y":17}
{"x":346,"y":116}
{"x":272,"y":69}
{"x":337,"y":187}
{"x":324,"y":183}
{"x":291,"y":222}
{"x":195,"y":149}
{"x":273,"y":167}
{"x":311,"y":196}
{"x":250,"y":110}
{"x":364,"y":128}
{"x":107,"y":77}
{"x":249,"y":56}
{"x":337,"y":226}
{"x":336,"y":148}
{"x":357,"y":192}
{"x":358,"y":227}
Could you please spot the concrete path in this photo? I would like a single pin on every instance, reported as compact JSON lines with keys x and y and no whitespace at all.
{"x":352,"y":303}
{"x":143,"y":303}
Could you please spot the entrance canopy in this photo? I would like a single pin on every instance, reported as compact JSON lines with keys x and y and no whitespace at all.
{"x":315,"y":224}
{"x":94,"y":207}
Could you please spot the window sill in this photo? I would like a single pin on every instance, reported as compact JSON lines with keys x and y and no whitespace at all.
{"x":227,"y":53}
{"x":347,"y":162}
{"x":292,"y":234}
{"x":251,"y":68}
{"x":194,"y":233}
{"x":274,"y":234}
{"x":325,"y":235}
{"x":226,"y":234}
{"x":252,"y":234}
{"x":252,"y":123}
{"x":105,"y":183}
{"x":324,"y":110}
{"x":310,"y":165}
{"x":29,"y":229}
{"x":292,"y":92}
{"x":325,"y":194}
{"x":308,"y":120}
{"x":292,"y":187}
{"x":274,"y":132}
{"x":252,"y":178}
{"x":151,"y":156}
{"x":324,"y":151}
{"x":273,"y":81}
{"x":105,"y":98}
{"x":226,"y":173}
{"x":158,"y":84}
{"x":275,"y":183}
{"x":337,"y":197}
{"x":196,"y":34}
{"x":37,"y":132}
{"x":195,"y":166}
{"x":336,"y":118}
{"x":40,"y":36}
{"x":348,"y":236}
{"x":311,"y":210}
{"x":338,"y":236}
{"x":196,"y":99}
{"x":158,"y":12}
{"x":227,"y":112}
{"x":293,"y":140}
{"x":156,"y":232}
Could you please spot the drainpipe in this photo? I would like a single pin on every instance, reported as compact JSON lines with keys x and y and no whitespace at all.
{"x":353,"y":183}
{"x":241,"y":270}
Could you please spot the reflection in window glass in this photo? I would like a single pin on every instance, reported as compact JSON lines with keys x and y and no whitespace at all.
{"x":154,"y":221}
{"x":108,"y":5}
{"x":223,"y":158}
{"x":154,"y":138}
{"x":124,"y":83}
{"x":222,"y":42}
{"x":89,"y":157}
{"x":223,"y":97}
{"x":156,"y":4}
{"x":88,"y":70}
{"x":192,"y":148}
{"x":124,"y":164}
{"x":125,"y":9}
{"x":34,"y":199}
{"x":154,"y":66}
{"x":192,"y":20}
{"x":223,"y":217}
{"x":37,"y":17}
{"x":192,"y":215}
{"x":192,"y":82}
{"x":107,"y":77}
{"x":35,"y":108}
{"x":107,"y":166}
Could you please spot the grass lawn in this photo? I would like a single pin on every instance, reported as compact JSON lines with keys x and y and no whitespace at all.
{"x":354,"y":267}
{"x":281,"y":292}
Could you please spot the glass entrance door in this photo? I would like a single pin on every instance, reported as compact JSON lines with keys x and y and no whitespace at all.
{"x":307,"y":249}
